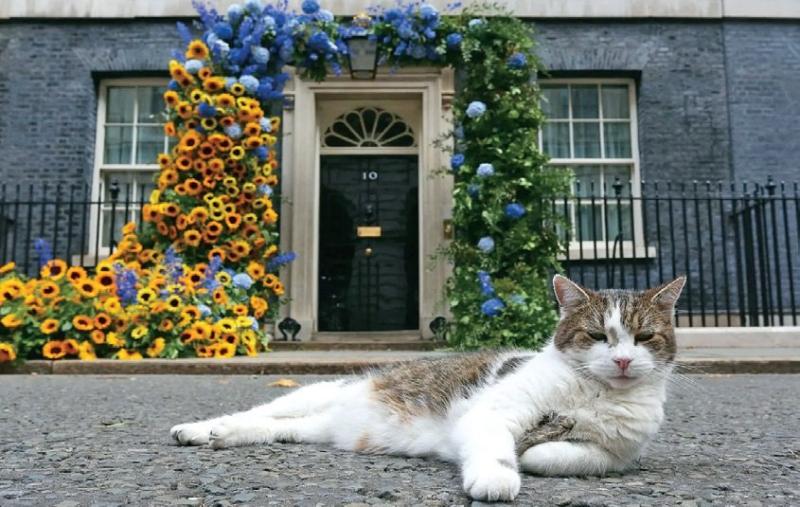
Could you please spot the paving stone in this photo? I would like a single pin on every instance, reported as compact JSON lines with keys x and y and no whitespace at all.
{"x":56,"y":451}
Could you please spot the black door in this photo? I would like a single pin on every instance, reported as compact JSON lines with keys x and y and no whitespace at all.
{"x":368,"y":255}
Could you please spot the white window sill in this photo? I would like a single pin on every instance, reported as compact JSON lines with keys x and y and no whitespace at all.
{"x":624,"y":251}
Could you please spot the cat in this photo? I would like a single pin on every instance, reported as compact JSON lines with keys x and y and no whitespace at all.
{"x":586,"y":404}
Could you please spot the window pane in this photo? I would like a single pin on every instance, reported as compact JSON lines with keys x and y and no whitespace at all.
{"x":617,"y":140}
{"x":589,"y":225}
{"x":615,"y":101}
{"x":119,"y":107}
{"x":119,"y":142}
{"x":133,"y":186}
{"x":621,"y":173}
{"x":112,"y":228}
{"x":587,"y":180}
{"x":555,"y":101}
{"x":150,"y":142}
{"x":587,"y":140}
{"x":584,"y":101}
{"x":555,"y":140}
{"x":619,"y":220}
{"x":151,"y":104}
{"x":564,"y":210}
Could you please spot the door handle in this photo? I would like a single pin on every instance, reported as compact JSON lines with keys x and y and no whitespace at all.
{"x":368,"y":252}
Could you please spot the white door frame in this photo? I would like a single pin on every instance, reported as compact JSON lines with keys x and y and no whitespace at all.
{"x":432,"y":89}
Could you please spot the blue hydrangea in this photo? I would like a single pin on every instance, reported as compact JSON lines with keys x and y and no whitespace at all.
{"x":261,"y":153}
{"x":242,"y":281}
{"x":265,"y":124}
{"x":485,"y":282}
{"x":310,"y":6}
{"x":269,"y":23}
{"x":253,"y":6}
{"x":473,"y":190}
{"x":485,"y":170}
{"x":458,"y":132}
{"x":249,"y":82}
{"x":515,"y":210}
{"x":206,"y":110}
{"x":265,"y":190}
{"x":325,"y":16}
{"x":476,"y":109}
{"x":229,"y":82}
{"x":260,"y":54}
{"x":193,"y":66}
{"x":223,"y":30}
{"x":428,"y":12}
{"x":456,"y":161}
{"x":233,"y":131}
{"x":453,"y":40}
{"x":517,"y":61}
{"x":222,"y":47}
{"x":205,"y":311}
{"x":486,"y":244}
{"x":492,"y":307}
{"x":474,"y":23}
{"x":44,"y":251}
{"x":253,"y":323}
{"x":173,"y":85}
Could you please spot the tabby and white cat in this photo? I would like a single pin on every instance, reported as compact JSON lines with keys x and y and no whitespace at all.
{"x":603,"y":375}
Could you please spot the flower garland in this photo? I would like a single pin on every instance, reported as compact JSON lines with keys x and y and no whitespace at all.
{"x":202,"y":274}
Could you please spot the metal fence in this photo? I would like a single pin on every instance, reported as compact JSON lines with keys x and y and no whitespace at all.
{"x":738,"y":244}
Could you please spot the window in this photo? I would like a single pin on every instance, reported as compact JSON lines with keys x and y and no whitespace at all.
{"x":591,"y":130}
{"x":130,"y":135}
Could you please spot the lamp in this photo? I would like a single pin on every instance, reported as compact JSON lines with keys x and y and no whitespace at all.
{"x":362,"y":48}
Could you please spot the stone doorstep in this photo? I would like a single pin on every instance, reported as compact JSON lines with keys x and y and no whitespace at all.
{"x":716,"y":361}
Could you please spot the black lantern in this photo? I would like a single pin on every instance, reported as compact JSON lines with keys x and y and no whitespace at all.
{"x":363,"y":49}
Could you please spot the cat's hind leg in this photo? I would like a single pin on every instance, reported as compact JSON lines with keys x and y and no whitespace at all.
{"x":305,"y":401}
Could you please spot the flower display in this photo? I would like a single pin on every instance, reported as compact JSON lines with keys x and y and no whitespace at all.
{"x":485,"y":170}
{"x":476,"y":109}
{"x":456,"y":161}
{"x":486,"y":244}
{"x":514,"y":210}
{"x":492,"y":307}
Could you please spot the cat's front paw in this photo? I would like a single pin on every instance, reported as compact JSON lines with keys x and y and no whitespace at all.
{"x":191,"y":433}
{"x":498,"y":482}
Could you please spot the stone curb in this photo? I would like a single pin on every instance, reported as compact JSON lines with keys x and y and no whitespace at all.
{"x":247,"y":366}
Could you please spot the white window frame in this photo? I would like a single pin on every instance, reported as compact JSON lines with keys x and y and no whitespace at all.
{"x":589,"y":250}
{"x":96,"y":250}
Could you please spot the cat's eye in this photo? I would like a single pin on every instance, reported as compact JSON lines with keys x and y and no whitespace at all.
{"x":643,"y":337}
{"x":600,"y":337}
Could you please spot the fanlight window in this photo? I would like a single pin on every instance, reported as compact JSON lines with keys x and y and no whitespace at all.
{"x":369,"y":127}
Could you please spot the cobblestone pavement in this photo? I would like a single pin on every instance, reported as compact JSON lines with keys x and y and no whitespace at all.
{"x":69,"y":441}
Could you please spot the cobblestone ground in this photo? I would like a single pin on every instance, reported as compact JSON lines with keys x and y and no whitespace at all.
{"x":69,"y":441}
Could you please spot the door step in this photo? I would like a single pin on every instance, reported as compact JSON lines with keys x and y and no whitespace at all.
{"x":356,"y":345}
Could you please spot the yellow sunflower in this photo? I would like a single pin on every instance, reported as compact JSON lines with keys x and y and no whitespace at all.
{"x":88,"y":288}
{"x":155,"y":348}
{"x":129,"y":355}
{"x":55,"y":269}
{"x":3,"y":270}
{"x":7,"y":352}
{"x":197,"y":49}
{"x":11,"y":321}
{"x":83,"y":323}
{"x":139,"y":332}
{"x":146,"y":296}
{"x":49,"y":326}
{"x":54,"y":349}
{"x":86,"y":352}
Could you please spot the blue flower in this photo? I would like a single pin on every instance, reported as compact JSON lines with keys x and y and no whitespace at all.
{"x":515,"y":210}
{"x":453,"y":40}
{"x":265,"y":190}
{"x":204,"y":310}
{"x":173,"y":85}
{"x":260,"y":55}
{"x":193,"y":66}
{"x":235,"y":13}
{"x":43,"y":251}
{"x":428,"y":12}
{"x":249,"y":82}
{"x":456,"y":161}
{"x":485,"y":170}
{"x":325,"y":16}
{"x":486,"y":283}
{"x":262,"y":153}
{"x":229,"y":82}
{"x":242,"y":280}
{"x":234,"y":131}
{"x":279,"y":260}
{"x":474,"y":23}
{"x":206,"y":110}
{"x":223,"y":30}
{"x":476,"y":109}
{"x":486,"y":244}
{"x":473,"y":190}
{"x":126,"y":285}
{"x":517,"y":299}
{"x":310,"y":6}
{"x":253,"y":323}
{"x":492,"y":307}
{"x":252,"y":5}
{"x":265,"y":124}
{"x":458,"y":132}
{"x":517,"y":61}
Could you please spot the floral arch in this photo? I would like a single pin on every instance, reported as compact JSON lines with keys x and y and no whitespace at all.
{"x":202,"y":274}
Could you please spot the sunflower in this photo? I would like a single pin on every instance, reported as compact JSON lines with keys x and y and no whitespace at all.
{"x":54,"y":349}
{"x":49,"y":289}
{"x":146,"y":296}
{"x":190,"y":141}
{"x":86,"y":352}
{"x":197,"y":49}
{"x":102,"y":320}
{"x":270,"y":280}
{"x":128,"y":355}
{"x":71,"y":346}
{"x":240,"y":309}
{"x":233,"y":221}
{"x":202,"y":330}
{"x":155,"y":348}
{"x":166,"y":325}
{"x":225,"y":100}
{"x":112,"y":305}
{"x":8,"y":267}
{"x":171,"y":98}
{"x":204,"y":351}
{"x":213,"y":84}
{"x":191,"y":313}
{"x":224,"y":350}
{"x":278,"y":289}
{"x":7,"y":352}
{"x":237,"y":89}
{"x":170,"y":209}
{"x":49,"y":326}
{"x":220,"y":296}
{"x":242,"y":248}
{"x":260,"y":306}
{"x":270,"y":216}
{"x":223,"y":277}
{"x":169,"y":129}
{"x":197,"y":96}
{"x":185,"y":110}
{"x":98,"y":336}
{"x":88,"y":288}
{"x":114,"y":340}
{"x":230,"y":339}
{"x":105,"y":280}
{"x":11,"y":321}
{"x":205,"y":73}
{"x":256,"y":270}
{"x":83,"y":323}
{"x":237,"y":153}
{"x":55,"y":269}
{"x":139,"y":332}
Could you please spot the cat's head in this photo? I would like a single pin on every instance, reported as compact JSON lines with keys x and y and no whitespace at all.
{"x":620,"y":337}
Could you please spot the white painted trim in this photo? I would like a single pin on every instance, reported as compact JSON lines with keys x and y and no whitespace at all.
{"x":627,"y":9}
{"x":738,"y":337}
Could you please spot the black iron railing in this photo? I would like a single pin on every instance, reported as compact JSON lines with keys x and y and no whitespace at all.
{"x":738,"y":244}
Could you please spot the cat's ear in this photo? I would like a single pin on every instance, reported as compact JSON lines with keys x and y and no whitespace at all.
{"x":569,"y":293}
{"x":668,"y":294}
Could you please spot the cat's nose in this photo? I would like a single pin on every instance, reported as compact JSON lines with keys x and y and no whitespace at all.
{"x":623,"y":362}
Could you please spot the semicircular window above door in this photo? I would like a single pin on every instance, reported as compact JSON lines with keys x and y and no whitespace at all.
{"x":369,"y":127}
